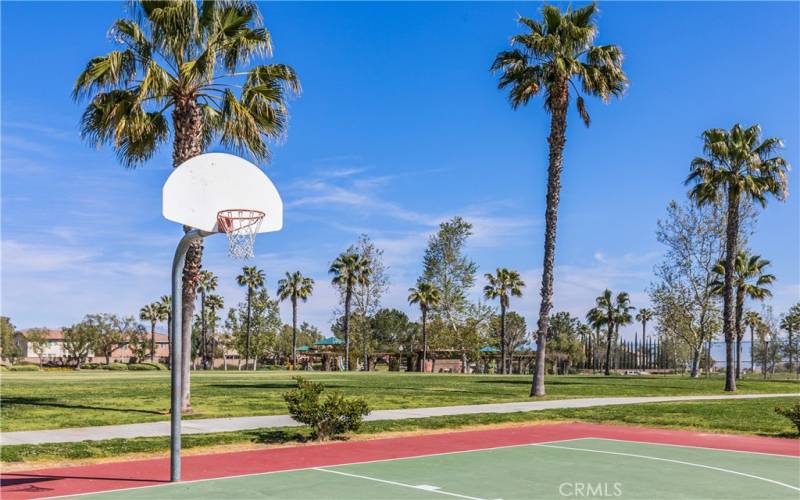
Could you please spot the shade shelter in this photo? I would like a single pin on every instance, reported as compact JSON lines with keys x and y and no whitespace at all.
{"x":328,"y":348}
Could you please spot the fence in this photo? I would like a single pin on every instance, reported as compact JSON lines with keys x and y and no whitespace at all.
{"x":656,"y":354}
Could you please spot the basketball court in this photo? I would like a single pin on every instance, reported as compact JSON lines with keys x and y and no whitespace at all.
{"x":541,"y":461}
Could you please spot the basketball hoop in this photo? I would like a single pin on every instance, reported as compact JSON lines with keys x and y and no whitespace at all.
{"x":241,"y":225}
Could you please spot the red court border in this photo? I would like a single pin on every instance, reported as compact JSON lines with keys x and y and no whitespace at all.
{"x":110,"y":476}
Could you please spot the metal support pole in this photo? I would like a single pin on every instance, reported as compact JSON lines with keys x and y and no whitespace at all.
{"x":176,"y":352}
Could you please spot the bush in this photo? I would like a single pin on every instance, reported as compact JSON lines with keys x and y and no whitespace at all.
{"x":327,"y":418}
{"x":155,"y":364}
{"x":25,"y":368}
{"x":91,"y":366}
{"x":791,"y":412}
{"x":142,"y":367}
{"x":114,"y":367}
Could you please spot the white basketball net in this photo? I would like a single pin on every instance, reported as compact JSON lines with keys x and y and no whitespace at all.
{"x":241,"y":226}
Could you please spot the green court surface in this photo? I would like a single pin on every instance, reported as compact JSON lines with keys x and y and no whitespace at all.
{"x":577,"y":468}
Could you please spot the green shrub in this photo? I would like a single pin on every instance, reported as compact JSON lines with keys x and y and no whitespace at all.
{"x":791,"y":412}
{"x":328,"y":417}
{"x":142,"y":367}
{"x":91,"y":366}
{"x":155,"y":364}
{"x":25,"y":368}
{"x":114,"y":366}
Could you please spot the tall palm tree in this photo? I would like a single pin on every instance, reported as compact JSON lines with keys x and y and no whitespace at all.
{"x":191,"y":59}
{"x":295,"y":286}
{"x":737,"y":165}
{"x":791,"y":323}
{"x":616,"y":311}
{"x":643,"y":316}
{"x":348,"y":270}
{"x":502,"y":285}
{"x":555,"y":57}
{"x":206,"y":282}
{"x":427,"y":296}
{"x":752,"y":320}
{"x":151,"y":313}
{"x":596,"y":318}
{"x":623,"y":313}
{"x":252,"y":278}
{"x":214,"y":303}
{"x":749,"y":281}
{"x":165,"y":314}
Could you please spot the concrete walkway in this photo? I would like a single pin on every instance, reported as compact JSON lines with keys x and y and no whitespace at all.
{"x":201,"y":426}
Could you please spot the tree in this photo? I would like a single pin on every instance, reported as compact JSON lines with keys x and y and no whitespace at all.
{"x":596,"y":319}
{"x":252,"y":278}
{"x":293,"y":287}
{"x":256,"y":325}
{"x":684,"y":297}
{"x":37,"y":340}
{"x":516,"y":333}
{"x":502,"y":285}
{"x":791,"y":323}
{"x":108,"y":337}
{"x":428,"y":297}
{"x":616,"y":312}
{"x":206,"y":282}
{"x":367,"y":294}
{"x":446,"y":268}
{"x":391,"y":329}
{"x":80,"y":339}
{"x":188,"y":58}
{"x":752,"y":320}
{"x":138,"y":344}
{"x":737,"y":165}
{"x":10,"y":350}
{"x":750,"y":281}
{"x":643,"y":316}
{"x":348,"y":270}
{"x":552,"y":57}
{"x":214,"y":303}
{"x":565,"y":347}
{"x":152,"y":313}
{"x":165,"y":314}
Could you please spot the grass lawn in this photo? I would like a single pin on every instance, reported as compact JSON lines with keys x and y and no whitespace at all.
{"x":49,"y":400}
{"x":754,"y":416}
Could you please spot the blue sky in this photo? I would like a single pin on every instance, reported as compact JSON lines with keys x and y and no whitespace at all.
{"x":399,"y":126}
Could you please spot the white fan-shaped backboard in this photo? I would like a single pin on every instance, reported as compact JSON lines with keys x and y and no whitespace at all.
{"x":202,"y":186}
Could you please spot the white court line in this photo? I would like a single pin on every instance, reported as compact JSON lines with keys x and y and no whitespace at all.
{"x":395,"y":483}
{"x":701,"y":447}
{"x":647,"y":457}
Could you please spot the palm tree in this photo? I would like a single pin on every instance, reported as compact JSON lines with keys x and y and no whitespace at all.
{"x":253,"y":278}
{"x":623,"y":315}
{"x":427,"y":296}
{"x":295,"y":286}
{"x":214,"y":303}
{"x":643,"y":316}
{"x":752,"y":320}
{"x":737,"y":165}
{"x":165,"y":314}
{"x":190,"y":58}
{"x":151,"y":313}
{"x":348,"y":270}
{"x":616,"y":312}
{"x":501,"y":285}
{"x":749,"y":281}
{"x":791,"y":323}
{"x":206,"y":282}
{"x":596,"y":318}
{"x":553,"y":57}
